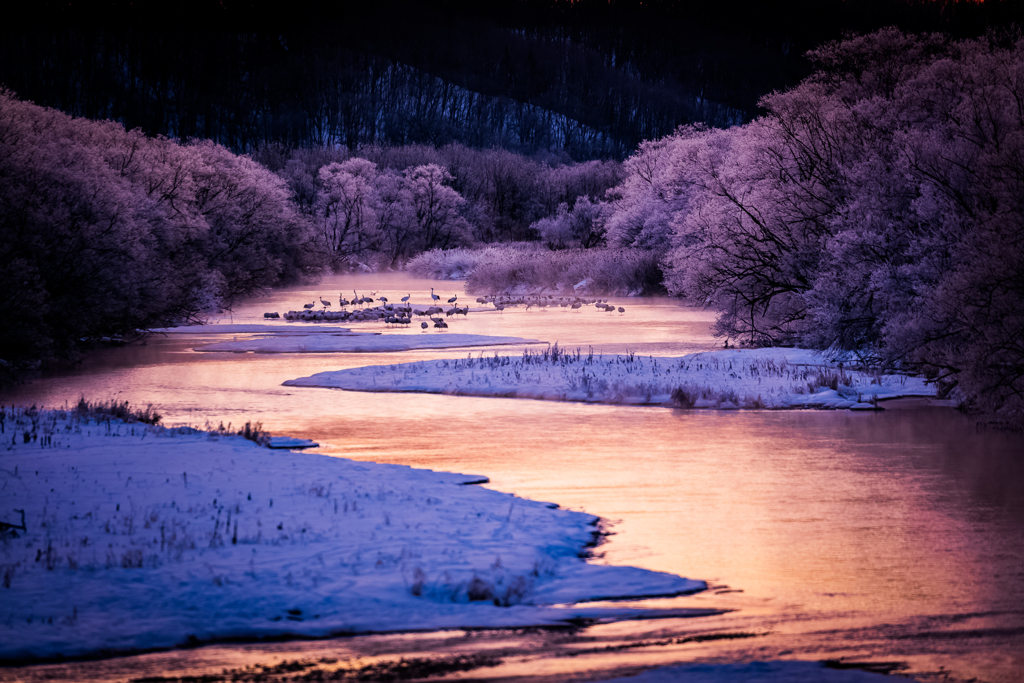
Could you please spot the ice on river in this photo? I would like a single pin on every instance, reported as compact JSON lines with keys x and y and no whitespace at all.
{"x":292,"y":338}
{"x":138,"y":537}
{"x":727,"y":379}
{"x":754,"y":672}
{"x":361,"y":343}
{"x":250,"y":328}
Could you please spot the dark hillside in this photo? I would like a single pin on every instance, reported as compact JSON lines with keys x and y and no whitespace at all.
{"x":592,"y":78}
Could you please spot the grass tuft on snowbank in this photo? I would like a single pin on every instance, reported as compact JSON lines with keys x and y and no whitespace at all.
{"x":117,"y":410}
{"x":252,"y":431}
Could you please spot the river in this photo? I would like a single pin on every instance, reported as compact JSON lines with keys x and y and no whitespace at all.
{"x":893,"y":537}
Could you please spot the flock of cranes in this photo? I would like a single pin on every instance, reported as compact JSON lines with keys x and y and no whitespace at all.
{"x":364,"y":310}
{"x":503,"y":301}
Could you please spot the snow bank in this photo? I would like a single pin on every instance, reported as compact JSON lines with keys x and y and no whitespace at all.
{"x":305,"y":338}
{"x":369,"y":343}
{"x":727,"y":379}
{"x":247,"y":328}
{"x":754,"y":672}
{"x":140,"y":537}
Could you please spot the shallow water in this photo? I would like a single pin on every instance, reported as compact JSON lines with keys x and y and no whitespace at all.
{"x":894,"y":536}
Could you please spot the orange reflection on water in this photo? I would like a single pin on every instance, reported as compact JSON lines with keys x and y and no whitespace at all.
{"x":887,"y":535}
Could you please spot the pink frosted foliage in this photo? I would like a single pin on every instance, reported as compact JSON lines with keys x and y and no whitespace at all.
{"x":107,"y":230}
{"x":877,"y":206}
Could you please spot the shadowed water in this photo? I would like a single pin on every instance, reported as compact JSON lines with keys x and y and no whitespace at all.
{"x":894,"y":536}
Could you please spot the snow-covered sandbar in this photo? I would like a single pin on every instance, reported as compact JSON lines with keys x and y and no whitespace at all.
{"x":726,"y":379}
{"x":255,"y":328}
{"x":137,"y":537}
{"x":361,"y":343}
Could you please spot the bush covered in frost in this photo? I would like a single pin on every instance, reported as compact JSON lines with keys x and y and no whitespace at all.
{"x":457,"y":264}
{"x":593,"y":271}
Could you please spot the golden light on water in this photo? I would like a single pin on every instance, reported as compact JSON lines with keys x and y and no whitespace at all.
{"x":829,"y":533}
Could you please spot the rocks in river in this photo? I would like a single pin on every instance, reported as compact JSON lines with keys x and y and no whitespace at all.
{"x":289,"y":442}
{"x":272,"y":315}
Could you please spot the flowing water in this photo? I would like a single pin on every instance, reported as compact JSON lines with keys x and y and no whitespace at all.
{"x":885,"y":537}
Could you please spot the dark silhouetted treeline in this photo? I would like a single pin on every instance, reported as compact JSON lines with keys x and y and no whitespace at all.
{"x":591,"y":78}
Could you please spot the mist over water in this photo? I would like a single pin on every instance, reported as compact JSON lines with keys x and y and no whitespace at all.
{"x":893,"y":536}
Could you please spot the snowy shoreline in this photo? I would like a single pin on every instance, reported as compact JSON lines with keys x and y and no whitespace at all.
{"x":773,"y":379}
{"x":139,"y":538}
{"x":307,"y":338}
{"x":360,"y":343}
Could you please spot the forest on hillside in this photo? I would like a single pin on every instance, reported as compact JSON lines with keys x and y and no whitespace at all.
{"x":584,"y":78}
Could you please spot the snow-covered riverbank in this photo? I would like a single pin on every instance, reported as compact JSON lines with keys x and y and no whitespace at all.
{"x":361,"y":343}
{"x":289,"y":338}
{"x":727,"y":379}
{"x":139,"y":537}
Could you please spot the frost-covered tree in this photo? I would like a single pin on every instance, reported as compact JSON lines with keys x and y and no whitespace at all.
{"x":751,"y":235}
{"x":965,"y":155}
{"x":555,"y":231}
{"x":107,"y":231}
{"x":251,"y":226}
{"x":925,"y":263}
{"x":395,"y":218}
{"x":877,"y":206}
{"x":505,"y":192}
{"x":582,"y":226}
{"x":436,"y":209}
{"x":642,"y":206}
{"x":346,"y":210}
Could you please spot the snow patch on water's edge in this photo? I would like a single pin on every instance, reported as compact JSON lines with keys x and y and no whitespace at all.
{"x":361,"y":343}
{"x":773,"y":379}
{"x":140,"y":539}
